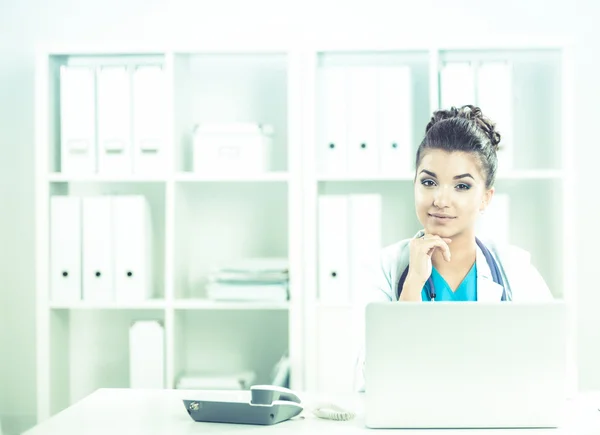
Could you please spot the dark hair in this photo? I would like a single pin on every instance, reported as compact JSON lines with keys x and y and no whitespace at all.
{"x":463,"y":129}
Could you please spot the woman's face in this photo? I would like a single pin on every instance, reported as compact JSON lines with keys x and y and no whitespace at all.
{"x":450,"y":192}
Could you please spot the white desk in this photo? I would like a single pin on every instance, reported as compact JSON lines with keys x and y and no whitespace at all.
{"x":149,"y":412}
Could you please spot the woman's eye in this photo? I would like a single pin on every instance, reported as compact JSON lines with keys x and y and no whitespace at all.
{"x":463,"y":186}
{"x":427,"y":183}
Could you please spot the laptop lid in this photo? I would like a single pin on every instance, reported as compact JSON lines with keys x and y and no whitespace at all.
{"x":471,"y":364}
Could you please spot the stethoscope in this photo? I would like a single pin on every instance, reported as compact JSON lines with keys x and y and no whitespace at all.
{"x":491,"y":261}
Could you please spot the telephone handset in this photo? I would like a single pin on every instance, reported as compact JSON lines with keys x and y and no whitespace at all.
{"x":268,"y":405}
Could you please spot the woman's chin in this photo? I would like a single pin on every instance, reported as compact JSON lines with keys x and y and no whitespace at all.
{"x":442,"y":232}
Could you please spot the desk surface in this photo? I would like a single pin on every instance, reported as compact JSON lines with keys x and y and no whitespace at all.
{"x":149,"y":412}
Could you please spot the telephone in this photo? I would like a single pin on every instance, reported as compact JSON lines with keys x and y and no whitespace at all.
{"x":268,"y":405}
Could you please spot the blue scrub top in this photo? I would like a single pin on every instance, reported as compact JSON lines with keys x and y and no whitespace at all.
{"x":466,"y":291}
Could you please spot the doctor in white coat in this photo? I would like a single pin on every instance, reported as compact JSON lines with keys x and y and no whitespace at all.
{"x":456,"y":166}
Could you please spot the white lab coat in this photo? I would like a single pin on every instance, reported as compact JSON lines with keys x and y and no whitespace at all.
{"x":523,"y":279}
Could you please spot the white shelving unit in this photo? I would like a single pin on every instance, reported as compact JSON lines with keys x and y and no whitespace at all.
{"x":202,"y":220}
{"x":199,"y":222}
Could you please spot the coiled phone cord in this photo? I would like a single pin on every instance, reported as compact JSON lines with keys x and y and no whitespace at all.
{"x":330,"y":411}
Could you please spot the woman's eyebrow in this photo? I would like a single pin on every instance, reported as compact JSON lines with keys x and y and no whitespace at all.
{"x":432,"y":174}
{"x":457,"y":177}
{"x":463,"y":176}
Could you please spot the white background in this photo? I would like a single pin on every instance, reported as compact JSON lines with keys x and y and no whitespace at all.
{"x":23,"y":23}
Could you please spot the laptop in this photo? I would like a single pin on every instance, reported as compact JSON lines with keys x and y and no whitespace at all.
{"x":465,"y":365}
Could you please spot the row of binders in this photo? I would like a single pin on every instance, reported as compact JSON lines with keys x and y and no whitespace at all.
{"x":251,"y":279}
{"x":488,"y":85}
{"x":366,"y":113}
{"x":366,"y":116}
{"x":100,"y":249}
{"x":113,"y":119}
{"x":349,"y":242}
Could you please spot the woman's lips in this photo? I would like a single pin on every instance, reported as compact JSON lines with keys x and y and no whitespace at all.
{"x":441,"y":217}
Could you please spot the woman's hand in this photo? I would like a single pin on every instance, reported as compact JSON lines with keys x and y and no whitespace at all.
{"x":421,"y":250}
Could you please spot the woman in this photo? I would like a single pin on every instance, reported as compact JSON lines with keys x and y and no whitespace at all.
{"x":456,"y":167}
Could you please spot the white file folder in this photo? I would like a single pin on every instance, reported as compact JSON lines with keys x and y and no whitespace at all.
{"x":395,"y":130}
{"x":78,"y":120}
{"x":332,"y":152}
{"x":149,"y":120}
{"x":114,"y":121}
{"x":132,"y":248}
{"x":365,"y":240}
{"x":494,"y":97}
{"x":98,"y":275}
{"x":333,"y":249}
{"x":363,"y":152}
{"x":494,"y":224}
{"x":65,"y":249}
{"x":457,"y":85}
{"x":146,"y":355}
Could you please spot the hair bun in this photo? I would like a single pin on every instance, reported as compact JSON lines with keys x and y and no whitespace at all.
{"x":472,"y":113}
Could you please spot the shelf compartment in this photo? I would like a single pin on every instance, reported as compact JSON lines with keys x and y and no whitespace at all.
{"x":530,"y":201}
{"x":230,"y":88}
{"x":536,"y":103}
{"x":90,"y":350}
{"x":219,"y":223}
{"x":155,"y":195}
{"x":378,"y":88}
{"x":222,"y":342}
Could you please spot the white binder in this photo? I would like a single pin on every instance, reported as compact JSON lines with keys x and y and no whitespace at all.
{"x":332,"y":151}
{"x":132,"y":248}
{"x":363,"y":152}
{"x":395,"y":132}
{"x":146,"y":355}
{"x":365,"y":240}
{"x":457,"y":85}
{"x":494,"y":95}
{"x":78,"y":120}
{"x":333,"y":249}
{"x":98,"y":275}
{"x":114,"y":121}
{"x":149,"y":120}
{"x":65,"y":249}
{"x":494,"y":224}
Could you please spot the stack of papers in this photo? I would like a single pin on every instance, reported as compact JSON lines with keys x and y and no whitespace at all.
{"x":253,"y":279}
{"x":216,"y":381}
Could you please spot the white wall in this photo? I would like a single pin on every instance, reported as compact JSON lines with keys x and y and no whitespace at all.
{"x":23,"y":22}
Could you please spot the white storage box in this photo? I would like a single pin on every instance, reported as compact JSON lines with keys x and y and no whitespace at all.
{"x":232,"y":148}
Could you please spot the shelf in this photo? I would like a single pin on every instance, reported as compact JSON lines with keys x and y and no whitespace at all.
{"x":535,"y":174}
{"x":204,"y":304}
{"x":84,"y":305}
{"x":375,"y":177}
{"x":57,"y":177}
{"x":267,"y":177}
{"x":333,"y":305}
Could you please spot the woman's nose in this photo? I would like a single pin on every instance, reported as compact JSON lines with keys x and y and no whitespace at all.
{"x":441,"y":198}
